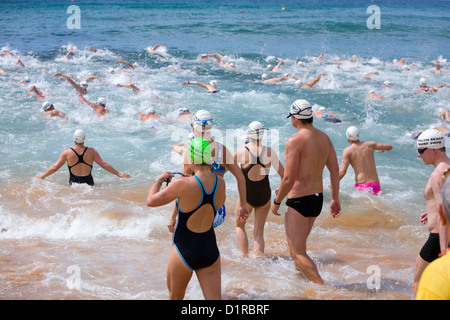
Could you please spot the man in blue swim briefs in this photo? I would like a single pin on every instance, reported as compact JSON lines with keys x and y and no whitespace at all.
{"x":306,"y":154}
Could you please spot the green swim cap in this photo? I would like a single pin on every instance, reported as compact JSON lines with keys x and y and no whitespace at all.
{"x":200,"y":151}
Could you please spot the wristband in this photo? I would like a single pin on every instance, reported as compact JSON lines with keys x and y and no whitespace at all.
{"x":157,"y":180}
{"x":275,"y":202}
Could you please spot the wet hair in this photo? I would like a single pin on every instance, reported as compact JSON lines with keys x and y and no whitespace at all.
{"x":306,"y":121}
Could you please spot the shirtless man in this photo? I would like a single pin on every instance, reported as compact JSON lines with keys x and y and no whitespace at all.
{"x":431,"y":148}
{"x":360,"y":156}
{"x":80,"y":159}
{"x":306,"y":155}
{"x":49,"y":109}
{"x":211,"y":87}
{"x":374,"y":96}
{"x":99,"y":107}
{"x":149,"y":115}
{"x":424,"y":88}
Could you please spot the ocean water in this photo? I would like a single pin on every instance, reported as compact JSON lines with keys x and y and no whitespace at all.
{"x":108,"y":240}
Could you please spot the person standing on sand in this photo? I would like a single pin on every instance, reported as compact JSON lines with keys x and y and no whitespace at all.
{"x":435,"y":280}
{"x":431,"y":148}
{"x":306,"y":155}
{"x":194,"y":248}
{"x":360,"y":156}
{"x":256,"y":160}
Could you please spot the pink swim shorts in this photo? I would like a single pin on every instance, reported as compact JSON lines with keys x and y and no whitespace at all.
{"x":372,"y":187}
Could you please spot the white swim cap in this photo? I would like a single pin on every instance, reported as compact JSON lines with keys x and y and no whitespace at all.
{"x":264,"y":76}
{"x":26,"y":79}
{"x":182,"y":109}
{"x":423,"y":82}
{"x":322,"y":109}
{"x":213,"y":83}
{"x":301,"y":109}
{"x":79,"y":136}
{"x":46,"y":105}
{"x":151,"y":110}
{"x":202,"y":121}
{"x":256,"y":130}
{"x":84,"y":84}
{"x":352,"y":133}
{"x":431,"y":139}
{"x":101,"y":101}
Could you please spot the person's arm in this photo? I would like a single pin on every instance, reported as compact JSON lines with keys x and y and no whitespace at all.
{"x":127,"y":63}
{"x":55,"y":167}
{"x":292,"y":158}
{"x":77,"y":87}
{"x":35,"y":90}
{"x":275,"y":161}
{"x":233,"y":167}
{"x":381,"y":147}
{"x":91,"y":104}
{"x":129,"y":85}
{"x":157,"y":197}
{"x":201,"y":84}
{"x":313,"y":82}
{"x":345,"y":163}
{"x":102,"y":163}
{"x":58,"y":113}
{"x":92,"y":78}
{"x":333,"y":168}
{"x":436,"y":182}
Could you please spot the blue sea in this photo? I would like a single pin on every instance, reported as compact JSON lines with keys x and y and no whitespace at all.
{"x":106,"y":236}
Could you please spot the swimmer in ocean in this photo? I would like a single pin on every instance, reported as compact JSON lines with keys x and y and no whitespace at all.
{"x":211,"y":87}
{"x":325,"y":115}
{"x":360,"y":156}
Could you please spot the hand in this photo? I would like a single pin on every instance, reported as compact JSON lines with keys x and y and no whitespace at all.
{"x":244,"y":213}
{"x":171,"y":224}
{"x":335,"y":208}
{"x":275,"y":208}
{"x":424,"y":218}
{"x":39,"y":176}
{"x":124,"y":175}
{"x":166,"y":176}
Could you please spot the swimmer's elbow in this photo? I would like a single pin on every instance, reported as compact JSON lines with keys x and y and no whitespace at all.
{"x":150,"y":203}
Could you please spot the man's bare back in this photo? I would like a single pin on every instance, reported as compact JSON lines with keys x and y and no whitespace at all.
{"x":360,"y":155}
{"x":312,"y":147}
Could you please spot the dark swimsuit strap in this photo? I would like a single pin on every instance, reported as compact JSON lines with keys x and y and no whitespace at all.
{"x":258,"y":161}
{"x":80,"y":159}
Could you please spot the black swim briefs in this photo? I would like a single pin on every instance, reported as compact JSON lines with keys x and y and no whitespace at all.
{"x":431,"y":249}
{"x":308,"y":206}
